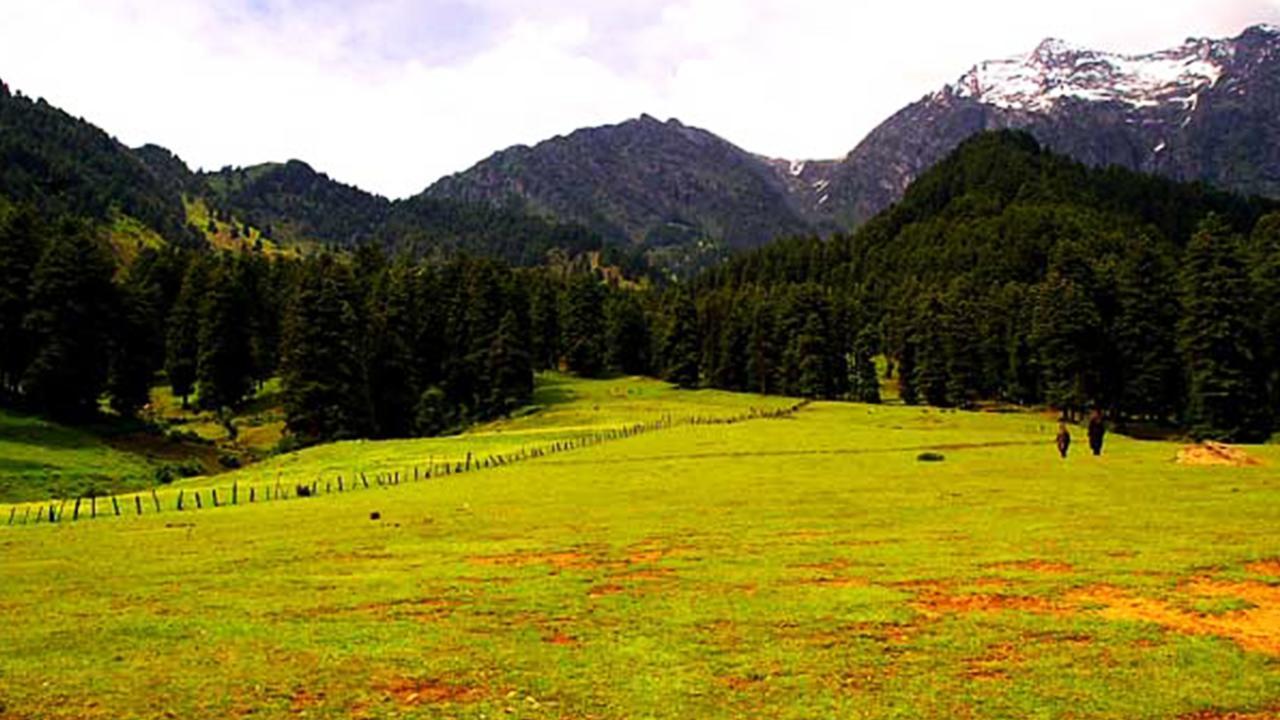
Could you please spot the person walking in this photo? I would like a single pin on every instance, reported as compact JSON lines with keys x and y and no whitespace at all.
{"x":1064,"y":439}
{"x":1097,"y":431}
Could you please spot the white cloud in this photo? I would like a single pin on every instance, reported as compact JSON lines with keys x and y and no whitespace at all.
{"x":392,"y":94}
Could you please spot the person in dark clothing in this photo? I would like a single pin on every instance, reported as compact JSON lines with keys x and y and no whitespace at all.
{"x":1097,"y":431}
{"x":1064,"y":439}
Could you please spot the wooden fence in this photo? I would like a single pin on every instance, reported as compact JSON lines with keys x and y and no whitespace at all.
{"x":192,"y":499}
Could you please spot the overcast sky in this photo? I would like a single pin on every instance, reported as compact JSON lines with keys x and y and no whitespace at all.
{"x":392,"y":94}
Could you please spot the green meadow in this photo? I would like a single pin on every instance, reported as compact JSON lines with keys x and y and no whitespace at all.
{"x":801,"y":564}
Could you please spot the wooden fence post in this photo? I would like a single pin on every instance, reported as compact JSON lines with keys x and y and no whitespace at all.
{"x":115,"y":505}
{"x":137,"y":502}
{"x":252,"y":493}
{"x":235,"y":493}
{"x":180,"y":494}
{"x":199,"y":505}
{"x":93,"y":507}
{"x":75,"y":514}
{"x":12,"y":511}
{"x":214,"y":493}
{"x":155,"y":499}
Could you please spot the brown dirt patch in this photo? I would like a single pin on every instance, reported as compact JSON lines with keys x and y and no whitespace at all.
{"x":1230,"y":715}
{"x":941,"y":604}
{"x":303,"y":700}
{"x":1256,"y":628}
{"x":1214,"y":453}
{"x":559,"y":560}
{"x":412,"y":692}
{"x":1265,"y":567}
{"x":559,"y":638}
{"x":994,"y":664}
{"x":1036,"y":566}
{"x":606,"y":590}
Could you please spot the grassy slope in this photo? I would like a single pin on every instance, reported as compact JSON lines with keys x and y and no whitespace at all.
{"x":808,"y":567}
{"x":39,"y":458}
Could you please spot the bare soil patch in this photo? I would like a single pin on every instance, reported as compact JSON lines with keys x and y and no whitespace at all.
{"x":1211,"y":453}
{"x":1231,"y":715}
{"x":1265,"y":567}
{"x":560,"y":560}
{"x":1037,"y":566}
{"x":412,"y":692}
{"x":1255,"y":628}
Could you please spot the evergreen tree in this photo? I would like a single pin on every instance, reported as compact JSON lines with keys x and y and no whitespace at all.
{"x":20,"y":250}
{"x":626,"y":334}
{"x":182,"y":337}
{"x":544,"y":320}
{"x":1065,"y":333}
{"x":865,"y":383}
{"x":929,"y":374}
{"x":1264,"y":260}
{"x":583,"y":327}
{"x":393,"y":378}
{"x":680,"y":344}
{"x":432,"y":416}
{"x":510,"y":369}
{"x":1219,"y":339}
{"x":136,"y":345}
{"x":72,"y":306}
{"x":1150,"y":371}
{"x":325,"y":394}
{"x":224,"y":365}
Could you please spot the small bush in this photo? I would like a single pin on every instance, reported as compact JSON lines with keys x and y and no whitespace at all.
{"x":229,"y":461}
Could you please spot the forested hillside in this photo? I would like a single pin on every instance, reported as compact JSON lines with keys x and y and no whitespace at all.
{"x":1009,"y":273}
{"x":65,"y":166}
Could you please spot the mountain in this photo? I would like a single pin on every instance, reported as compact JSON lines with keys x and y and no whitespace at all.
{"x":292,"y":203}
{"x":642,"y":181}
{"x":1208,"y":110}
{"x":65,"y":165}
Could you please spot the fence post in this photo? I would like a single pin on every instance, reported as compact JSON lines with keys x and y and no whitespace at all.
{"x":93,"y":508}
{"x":252,"y":493}
{"x":235,"y":493}
{"x":180,"y":494}
{"x":199,"y":505}
{"x":155,"y":499}
{"x":115,"y":505}
{"x":340,"y":489}
{"x":137,"y":502}
{"x":12,"y":511}
{"x":214,"y":493}
{"x":365,"y":480}
{"x":468,"y":461}
{"x":75,"y":514}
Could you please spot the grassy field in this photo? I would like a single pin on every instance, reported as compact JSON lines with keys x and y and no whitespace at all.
{"x":41,"y":459}
{"x":803,"y":567}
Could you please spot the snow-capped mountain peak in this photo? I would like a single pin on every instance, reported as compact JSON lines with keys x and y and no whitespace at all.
{"x":1058,"y":71}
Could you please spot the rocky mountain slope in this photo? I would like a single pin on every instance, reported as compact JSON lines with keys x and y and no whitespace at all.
{"x":1207,"y":110}
{"x":644,"y":181}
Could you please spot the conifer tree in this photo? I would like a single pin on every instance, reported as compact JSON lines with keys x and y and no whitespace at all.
{"x":136,"y":344}
{"x":1219,"y":339}
{"x":20,"y":249}
{"x":1149,"y":369}
{"x":394,"y":380}
{"x":583,"y":327}
{"x":510,"y":369}
{"x":626,"y":334}
{"x":1264,"y":260}
{"x":680,"y":344}
{"x":182,"y":337}
{"x":325,"y":392}
{"x":72,"y":306}
{"x":224,"y":365}
{"x":865,"y":384}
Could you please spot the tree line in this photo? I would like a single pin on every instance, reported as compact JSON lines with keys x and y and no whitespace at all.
{"x":1006,"y":274}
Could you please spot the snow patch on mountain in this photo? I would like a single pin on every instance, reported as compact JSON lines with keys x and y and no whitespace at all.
{"x":1057,"y":71}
